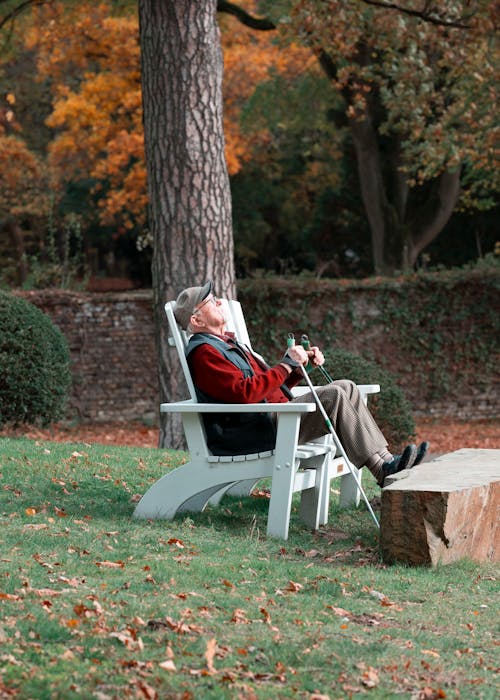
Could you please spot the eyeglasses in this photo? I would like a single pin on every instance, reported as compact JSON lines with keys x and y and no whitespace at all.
{"x":204,"y":302}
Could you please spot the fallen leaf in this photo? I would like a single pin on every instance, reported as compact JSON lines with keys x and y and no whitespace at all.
{"x":370,"y":678}
{"x":167,"y":665}
{"x":147,"y":691}
{"x":111,"y":564}
{"x":266,"y":615}
{"x":210,"y":654}
{"x":44,"y":592}
{"x":129,"y":638}
{"x":35,"y":526}
{"x":239,"y":617}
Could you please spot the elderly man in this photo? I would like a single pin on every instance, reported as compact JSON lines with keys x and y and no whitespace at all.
{"x":225,"y":371}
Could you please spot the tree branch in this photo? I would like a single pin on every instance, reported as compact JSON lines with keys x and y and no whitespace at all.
{"x":262,"y":24}
{"x":427,"y":14}
{"x":10,"y":16}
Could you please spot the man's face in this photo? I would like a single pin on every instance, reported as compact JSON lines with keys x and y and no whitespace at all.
{"x":208,"y":313}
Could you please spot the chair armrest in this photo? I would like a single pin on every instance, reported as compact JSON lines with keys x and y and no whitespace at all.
{"x":364,"y":389}
{"x":369,"y":388}
{"x":194,"y":407}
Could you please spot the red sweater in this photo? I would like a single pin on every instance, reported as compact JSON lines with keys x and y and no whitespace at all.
{"x":219,"y":378}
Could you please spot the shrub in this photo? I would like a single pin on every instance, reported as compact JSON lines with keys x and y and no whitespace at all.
{"x":34,"y":364}
{"x":390,"y":408}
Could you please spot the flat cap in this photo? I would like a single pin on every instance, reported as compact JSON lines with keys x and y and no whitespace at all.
{"x":186,"y":302}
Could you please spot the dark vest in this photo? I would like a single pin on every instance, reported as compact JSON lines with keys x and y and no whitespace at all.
{"x":233,"y":433}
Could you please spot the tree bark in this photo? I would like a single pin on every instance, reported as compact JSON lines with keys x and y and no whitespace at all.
{"x":436,"y":215}
{"x":16,"y":236}
{"x":188,"y":184}
{"x":372,"y":187}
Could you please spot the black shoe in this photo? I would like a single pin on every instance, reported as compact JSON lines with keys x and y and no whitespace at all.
{"x":421,"y":452}
{"x":397,"y":464}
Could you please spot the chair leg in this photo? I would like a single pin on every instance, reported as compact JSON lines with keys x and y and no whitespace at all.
{"x":173,"y":493}
{"x":242,"y":488}
{"x":236,"y":488}
{"x":349,"y":492}
{"x":311,"y":500}
{"x":283,"y":476}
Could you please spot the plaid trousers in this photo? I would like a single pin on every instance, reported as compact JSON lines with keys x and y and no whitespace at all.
{"x":354,"y":424}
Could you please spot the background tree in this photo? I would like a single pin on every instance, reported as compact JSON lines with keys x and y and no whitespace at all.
{"x":89,"y":59}
{"x":295,"y":189}
{"x":418,"y":89}
{"x":188,"y":184}
{"x":24,"y":198}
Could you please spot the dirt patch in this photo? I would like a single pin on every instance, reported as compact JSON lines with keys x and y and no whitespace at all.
{"x":445,"y":435}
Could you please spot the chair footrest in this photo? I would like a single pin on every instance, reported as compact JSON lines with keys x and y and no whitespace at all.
{"x":304,"y":479}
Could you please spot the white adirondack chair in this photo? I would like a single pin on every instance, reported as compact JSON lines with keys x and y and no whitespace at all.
{"x":292,"y":468}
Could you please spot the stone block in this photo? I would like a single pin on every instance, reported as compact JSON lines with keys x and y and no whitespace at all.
{"x":443,"y":510}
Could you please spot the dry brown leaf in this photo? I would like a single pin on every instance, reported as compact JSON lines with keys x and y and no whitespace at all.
{"x":147,"y":691}
{"x":35,"y":526}
{"x":129,"y":638}
{"x":111,"y":564}
{"x":210,"y":654}
{"x":370,"y":678}
{"x":44,"y":592}
{"x":266,"y":615}
{"x":70,"y":581}
{"x":239,"y":617}
{"x":167,"y":665}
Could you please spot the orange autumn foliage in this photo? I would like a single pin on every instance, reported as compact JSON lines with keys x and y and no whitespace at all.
{"x":250,"y":58}
{"x":22,"y":173}
{"x":92,"y":59}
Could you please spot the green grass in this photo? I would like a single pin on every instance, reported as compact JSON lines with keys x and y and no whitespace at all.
{"x":97,"y":605}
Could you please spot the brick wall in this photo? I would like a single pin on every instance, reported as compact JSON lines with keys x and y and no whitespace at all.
{"x":114,"y":366}
{"x":111,"y":339}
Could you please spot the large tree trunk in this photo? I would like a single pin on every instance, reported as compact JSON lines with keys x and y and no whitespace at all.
{"x":397,"y":237}
{"x":372,"y":187}
{"x":188,"y":185}
{"x":435,"y":214}
{"x":16,"y":236}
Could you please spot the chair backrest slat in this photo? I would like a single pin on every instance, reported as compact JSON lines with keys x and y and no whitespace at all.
{"x":180,"y":339}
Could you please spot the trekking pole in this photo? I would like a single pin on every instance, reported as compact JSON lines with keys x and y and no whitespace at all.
{"x":332,"y":432}
{"x":306,"y":344}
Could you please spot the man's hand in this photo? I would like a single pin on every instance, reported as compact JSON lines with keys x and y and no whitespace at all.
{"x":316,"y":357}
{"x":298,"y":354}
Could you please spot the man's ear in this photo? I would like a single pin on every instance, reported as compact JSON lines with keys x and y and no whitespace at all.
{"x":193,"y":324}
